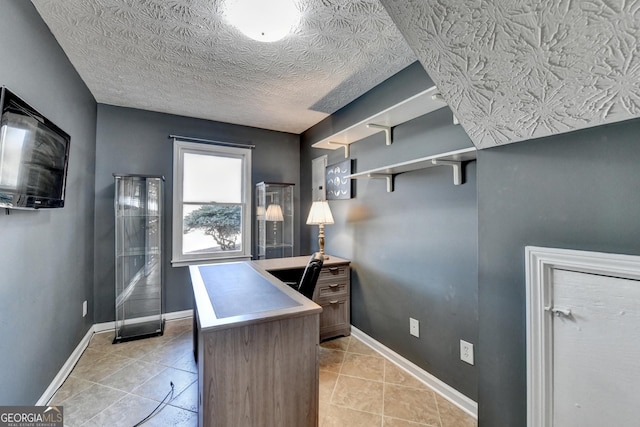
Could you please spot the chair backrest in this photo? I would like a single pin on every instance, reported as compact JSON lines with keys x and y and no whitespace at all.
{"x":310,"y":275}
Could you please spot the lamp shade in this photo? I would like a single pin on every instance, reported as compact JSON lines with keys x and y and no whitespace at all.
{"x":320,"y":213}
{"x":274,"y":213}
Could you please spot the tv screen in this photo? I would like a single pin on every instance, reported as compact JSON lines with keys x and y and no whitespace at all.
{"x":33,"y":157}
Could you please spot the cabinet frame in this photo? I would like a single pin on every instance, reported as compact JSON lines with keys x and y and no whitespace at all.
{"x":275,"y":239}
{"x":138,"y":211}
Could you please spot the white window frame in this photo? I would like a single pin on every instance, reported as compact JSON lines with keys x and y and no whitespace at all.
{"x":181,"y":147}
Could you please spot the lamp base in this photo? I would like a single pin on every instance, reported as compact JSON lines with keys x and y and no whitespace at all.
{"x":321,"y":241}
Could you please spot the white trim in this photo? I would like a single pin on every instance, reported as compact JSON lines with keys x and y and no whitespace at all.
{"x":111,"y":326}
{"x":539,"y":265}
{"x":180,"y":148}
{"x":188,"y":263}
{"x":66,"y":369}
{"x":451,"y":394}
{"x":446,"y":391}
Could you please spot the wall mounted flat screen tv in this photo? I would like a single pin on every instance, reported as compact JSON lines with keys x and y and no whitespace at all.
{"x":34,"y":154}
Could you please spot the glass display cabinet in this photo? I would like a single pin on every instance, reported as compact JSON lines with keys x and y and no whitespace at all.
{"x":274,"y":220}
{"x":138,"y":256}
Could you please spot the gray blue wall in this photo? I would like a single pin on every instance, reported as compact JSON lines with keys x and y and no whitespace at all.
{"x":579,"y":190}
{"x":46,"y":257}
{"x":137,"y":142}
{"x":414,"y":250}
{"x":452,"y":257}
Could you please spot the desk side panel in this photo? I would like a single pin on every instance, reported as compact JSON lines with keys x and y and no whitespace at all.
{"x":264,"y":374}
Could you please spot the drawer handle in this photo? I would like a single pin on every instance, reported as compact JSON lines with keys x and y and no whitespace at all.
{"x":335,"y":285}
{"x":333,"y":302}
{"x":333,"y":269}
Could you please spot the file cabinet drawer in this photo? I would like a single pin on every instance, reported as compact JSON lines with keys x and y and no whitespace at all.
{"x":331,"y":289}
{"x":333,"y":273}
{"x":334,"y":314}
{"x":333,"y":295}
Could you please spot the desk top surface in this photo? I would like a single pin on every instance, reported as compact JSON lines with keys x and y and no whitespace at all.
{"x":296,"y":262}
{"x":240,"y":293}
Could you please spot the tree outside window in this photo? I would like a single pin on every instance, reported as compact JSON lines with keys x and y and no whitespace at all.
{"x":221,"y":222}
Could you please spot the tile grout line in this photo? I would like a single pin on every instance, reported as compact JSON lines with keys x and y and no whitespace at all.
{"x":339,"y":372}
{"x":351,"y":348}
{"x":103,"y":355}
{"x":437,"y":409}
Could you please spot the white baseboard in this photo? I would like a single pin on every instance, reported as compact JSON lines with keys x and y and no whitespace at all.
{"x":66,"y":369}
{"x":446,"y":391}
{"x":81,"y":347}
{"x":451,"y":394}
{"x":175,"y":315}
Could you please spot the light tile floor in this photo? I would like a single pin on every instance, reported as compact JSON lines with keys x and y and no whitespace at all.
{"x":119,"y":385}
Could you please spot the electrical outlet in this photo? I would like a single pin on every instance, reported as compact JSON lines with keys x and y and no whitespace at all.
{"x":466,"y":352}
{"x":84,"y":309}
{"x":414,"y":327}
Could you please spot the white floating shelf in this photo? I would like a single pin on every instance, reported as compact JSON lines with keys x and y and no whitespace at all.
{"x":451,"y":158}
{"x":415,"y":106}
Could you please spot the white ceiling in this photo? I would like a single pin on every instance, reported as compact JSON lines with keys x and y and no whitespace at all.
{"x":509,"y":70}
{"x":182,"y":57}
{"x":516,"y":70}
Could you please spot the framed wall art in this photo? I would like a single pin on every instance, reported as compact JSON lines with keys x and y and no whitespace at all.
{"x":338,"y":186}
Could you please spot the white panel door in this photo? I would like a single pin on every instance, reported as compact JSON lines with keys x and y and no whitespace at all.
{"x":596,"y":350}
{"x":318,"y":178}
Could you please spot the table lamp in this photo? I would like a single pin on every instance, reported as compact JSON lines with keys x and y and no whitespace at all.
{"x":274,"y":214}
{"x":320,"y":214}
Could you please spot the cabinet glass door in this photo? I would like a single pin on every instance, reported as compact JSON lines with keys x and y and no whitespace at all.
{"x":138,"y":249}
{"x":274,"y":220}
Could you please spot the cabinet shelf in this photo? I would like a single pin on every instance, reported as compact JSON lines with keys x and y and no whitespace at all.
{"x":139,"y":252}
{"x":276,"y":245}
{"x":415,"y":106}
{"x":451,"y":158}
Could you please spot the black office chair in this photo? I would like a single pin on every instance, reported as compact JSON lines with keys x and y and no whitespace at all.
{"x":310,"y":276}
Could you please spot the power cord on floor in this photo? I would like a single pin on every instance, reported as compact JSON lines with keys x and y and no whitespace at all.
{"x":156,"y":410}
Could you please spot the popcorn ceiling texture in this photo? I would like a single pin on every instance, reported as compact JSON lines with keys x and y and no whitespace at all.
{"x":181,"y":57}
{"x":515,"y":70}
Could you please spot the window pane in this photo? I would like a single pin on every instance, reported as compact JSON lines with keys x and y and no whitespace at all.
{"x":211,"y":196}
{"x":212,"y":228}
{"x":209,"y":179}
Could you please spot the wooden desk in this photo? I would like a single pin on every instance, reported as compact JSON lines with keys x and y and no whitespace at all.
{"x":332,"y":292}
{"x":257,"y":345}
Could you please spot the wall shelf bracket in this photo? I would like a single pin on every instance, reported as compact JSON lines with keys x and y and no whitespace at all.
{"x":386,"y":129}
{"x":388,"y":177}
{"x":451,"y":158}
{"x":342,"y":144}
{"x":401,"y":112}
{"x":457,"y":169}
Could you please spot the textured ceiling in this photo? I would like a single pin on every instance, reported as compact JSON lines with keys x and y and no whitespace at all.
{"x":181,"y":57}
{"x":510,"y":70}
{"x":514,"y":70}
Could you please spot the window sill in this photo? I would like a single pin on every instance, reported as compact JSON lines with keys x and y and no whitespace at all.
{"x":188,"y":262}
